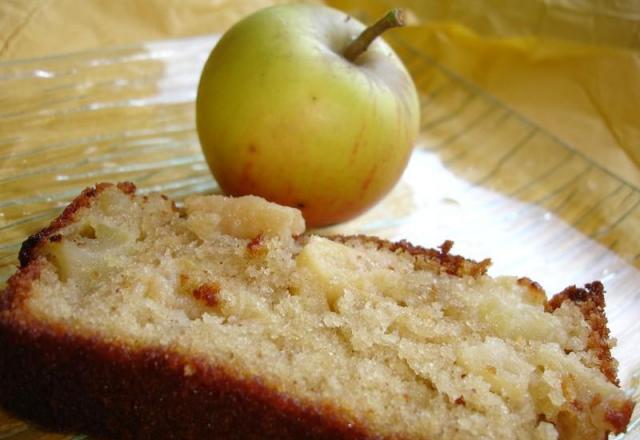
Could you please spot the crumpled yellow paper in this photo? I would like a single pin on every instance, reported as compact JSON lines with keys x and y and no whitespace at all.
{"x":571,"y":66}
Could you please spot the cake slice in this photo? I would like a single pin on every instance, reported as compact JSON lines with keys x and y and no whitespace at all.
{"x":131,"y":318}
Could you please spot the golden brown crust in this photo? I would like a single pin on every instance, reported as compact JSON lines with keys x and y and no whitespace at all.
{"x":437,"y":260}
{"x":530,"y":284}
{"x":590,"y":301}
{"x":534,"y":290}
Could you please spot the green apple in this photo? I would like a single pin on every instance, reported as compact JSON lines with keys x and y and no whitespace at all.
{"x":283,"y":113}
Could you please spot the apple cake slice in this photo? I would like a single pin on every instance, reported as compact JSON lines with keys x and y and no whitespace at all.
{"x":131,"y":318}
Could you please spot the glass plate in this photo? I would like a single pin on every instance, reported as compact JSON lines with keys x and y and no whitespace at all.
{"x":481,"y":175}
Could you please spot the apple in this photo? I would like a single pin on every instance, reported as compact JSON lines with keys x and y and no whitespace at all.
{"x":301,"y":105}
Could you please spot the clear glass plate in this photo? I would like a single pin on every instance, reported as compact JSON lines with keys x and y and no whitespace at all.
{"x":481,"y":175}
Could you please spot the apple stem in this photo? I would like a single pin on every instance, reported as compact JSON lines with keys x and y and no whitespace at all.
{"x":393,"y":18}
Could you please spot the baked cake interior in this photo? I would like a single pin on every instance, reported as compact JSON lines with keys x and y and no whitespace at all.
{"x":387,"y":339}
